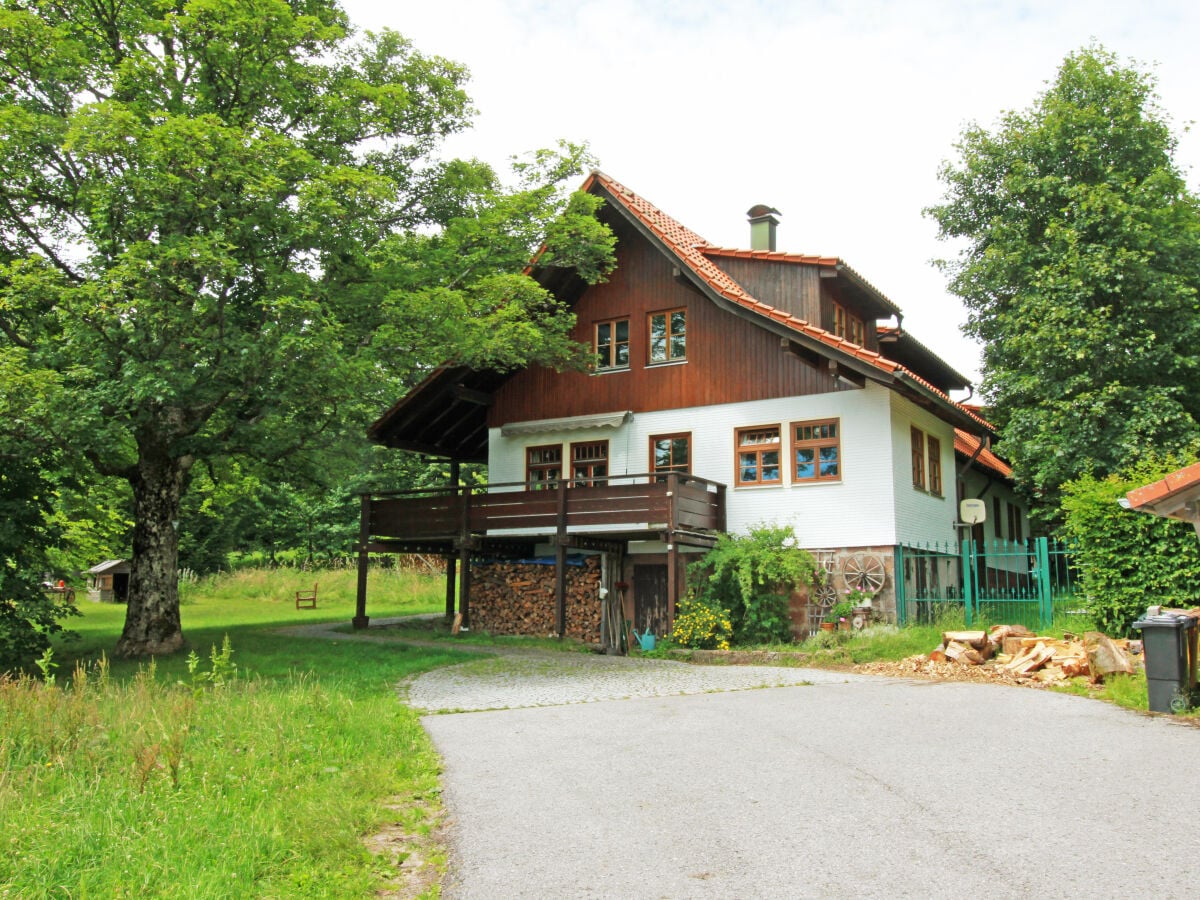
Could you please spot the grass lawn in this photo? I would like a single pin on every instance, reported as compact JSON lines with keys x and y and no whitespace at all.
{"x":264,"y":780}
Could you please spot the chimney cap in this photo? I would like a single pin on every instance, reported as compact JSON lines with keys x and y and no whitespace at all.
{"x":762,"y":211}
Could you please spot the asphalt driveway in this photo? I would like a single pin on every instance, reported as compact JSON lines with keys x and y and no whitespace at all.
{"x":863,"y":788}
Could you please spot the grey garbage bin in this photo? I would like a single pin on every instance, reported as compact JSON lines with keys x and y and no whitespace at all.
{"x":1169,"y":645}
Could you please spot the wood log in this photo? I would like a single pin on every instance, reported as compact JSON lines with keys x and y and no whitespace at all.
{"x":974,"y":639}
{"x":1012,"y":645}
{"x":1030,"y":660}
{"x":1105,"y":657}
{"x":1075,"y":666}
{"x":963,"y":653}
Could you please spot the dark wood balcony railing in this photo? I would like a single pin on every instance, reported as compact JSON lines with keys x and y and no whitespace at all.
{"x":644,"y":502}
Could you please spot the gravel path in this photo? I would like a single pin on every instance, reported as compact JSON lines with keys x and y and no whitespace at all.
{"x":528,"y":678}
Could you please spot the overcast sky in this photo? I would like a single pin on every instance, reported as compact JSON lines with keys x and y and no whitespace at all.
{"x":836,"y":114}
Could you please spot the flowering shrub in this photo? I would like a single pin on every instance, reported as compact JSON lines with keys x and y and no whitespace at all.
{"x":753,"y":576}
{"x":701,"y":625}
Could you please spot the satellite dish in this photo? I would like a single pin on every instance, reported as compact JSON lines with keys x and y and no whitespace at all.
{"x":972,"y":512}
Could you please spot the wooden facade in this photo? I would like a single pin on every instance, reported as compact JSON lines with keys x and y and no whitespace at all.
{"x":729,"y":358}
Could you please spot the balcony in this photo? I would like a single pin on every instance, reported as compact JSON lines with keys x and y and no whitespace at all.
{"x":675,"y":507}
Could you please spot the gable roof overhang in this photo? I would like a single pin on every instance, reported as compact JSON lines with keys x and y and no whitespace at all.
{"x":971,"y":447}
{"x":443,"y":416}
{"x":912,"y":354}
{"x":1175,"y":497}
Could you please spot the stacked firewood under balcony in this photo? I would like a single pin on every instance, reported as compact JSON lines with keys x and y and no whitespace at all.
{"x":518,"y":598}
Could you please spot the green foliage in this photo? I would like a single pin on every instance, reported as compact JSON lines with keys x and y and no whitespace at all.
{"x":1129,"y":560}
{"x":843,"y":609}
{"x":700,"y":625}
{"x":1079,"y":269}
{"x":29,"y":469}
{"x":753,"y":576}
{"x":227,"y":236}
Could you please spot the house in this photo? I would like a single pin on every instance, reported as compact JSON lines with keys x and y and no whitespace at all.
{"x":731,"y":387}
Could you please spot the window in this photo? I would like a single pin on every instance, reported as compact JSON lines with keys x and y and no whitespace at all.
{"x":1014,"y":522}
{"x":816,"y":451}
{"x":758,"y":451}
{"x":918,"y":458}
{"x":935,"y":465}
{"x":589,"y":463}
{"x":543,"y":466}
{"x":612,"y":344}
{"x":848,"y":325}
{"x":670,"y":453}
{"x":668,"y":336}
{"x":999,"y":526}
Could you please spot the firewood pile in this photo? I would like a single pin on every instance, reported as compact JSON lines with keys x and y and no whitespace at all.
{"x":1015,"y":655}
{"x":518,"y":598}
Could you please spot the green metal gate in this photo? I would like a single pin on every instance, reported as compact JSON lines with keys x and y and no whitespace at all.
{"x":991,"y":582}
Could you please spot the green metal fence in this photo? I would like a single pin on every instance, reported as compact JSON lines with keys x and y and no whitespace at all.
{"x":1012,"y":582}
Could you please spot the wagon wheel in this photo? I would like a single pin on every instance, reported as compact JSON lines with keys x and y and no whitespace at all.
{"x":825,"y":595}
{"x":864,"y":572}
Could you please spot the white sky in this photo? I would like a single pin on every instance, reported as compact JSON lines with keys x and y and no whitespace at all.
{"x":838,"y":114}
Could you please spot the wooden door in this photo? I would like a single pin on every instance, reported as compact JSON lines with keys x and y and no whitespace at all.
{"x":650,"y":599}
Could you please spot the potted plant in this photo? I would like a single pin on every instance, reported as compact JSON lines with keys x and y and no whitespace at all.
{"x":839,"y":615}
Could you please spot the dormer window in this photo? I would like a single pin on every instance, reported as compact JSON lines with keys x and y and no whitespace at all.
{"x":848,"y":326}
{"x":668,"y":336}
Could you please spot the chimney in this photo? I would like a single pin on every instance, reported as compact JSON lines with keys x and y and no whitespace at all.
{"x":762,"y":227}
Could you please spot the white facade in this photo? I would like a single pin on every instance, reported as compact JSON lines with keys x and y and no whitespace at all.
{"x":874,"y":503}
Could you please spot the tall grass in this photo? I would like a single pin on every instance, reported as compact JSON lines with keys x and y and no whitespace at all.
{"x":253,"y":771}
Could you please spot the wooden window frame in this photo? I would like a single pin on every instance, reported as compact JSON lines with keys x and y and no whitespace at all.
{"x":1014,"y":522}
{"x":998,"y":528}
{"x":918,"y":456}
{"x":668,"y":316}
{"x":934,"y":469}
{"x":758,"y":450}
{"x":613,"y":344}
{"x":683,"y":468}
{"x":531,"y":467}
{"x":848,"y":325}
{"x":817,"y":444}
{"x":591,"y":478}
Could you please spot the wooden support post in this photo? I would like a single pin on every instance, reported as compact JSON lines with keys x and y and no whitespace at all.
{"x":451,"y":577}
{"x":451,"y":562}
{"x":464,"y":585}
{"x":464,"y":560}
{"x":672,"y":577}
{"x":560,"y":562}
{"x":361,"y":619}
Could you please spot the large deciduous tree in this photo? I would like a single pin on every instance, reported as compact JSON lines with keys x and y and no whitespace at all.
{"x":224,"y":229}
{"x":1079,"y":267}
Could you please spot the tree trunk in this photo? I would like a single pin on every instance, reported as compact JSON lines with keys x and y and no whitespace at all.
{"x":152,"y":624}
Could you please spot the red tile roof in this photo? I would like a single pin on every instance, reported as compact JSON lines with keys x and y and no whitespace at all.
{"x":967,"y":443}
{"x":1167,"y":497}
{"x":692,"y":250}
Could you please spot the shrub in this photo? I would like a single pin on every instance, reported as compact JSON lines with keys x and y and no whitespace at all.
{"x":701,"y":625}
{"x":753,"y":576}
{"x":1129,"y":560}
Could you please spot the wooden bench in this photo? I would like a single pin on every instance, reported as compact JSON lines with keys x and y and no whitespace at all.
{"x":307,"y":599}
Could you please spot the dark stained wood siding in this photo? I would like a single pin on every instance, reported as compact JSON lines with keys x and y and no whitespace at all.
{"x":797,"y":288}
{"x":788,"y":286}
{"x":729,"y":359}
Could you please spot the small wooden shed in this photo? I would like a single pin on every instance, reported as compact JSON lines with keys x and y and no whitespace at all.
{"x":108,"y":582}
